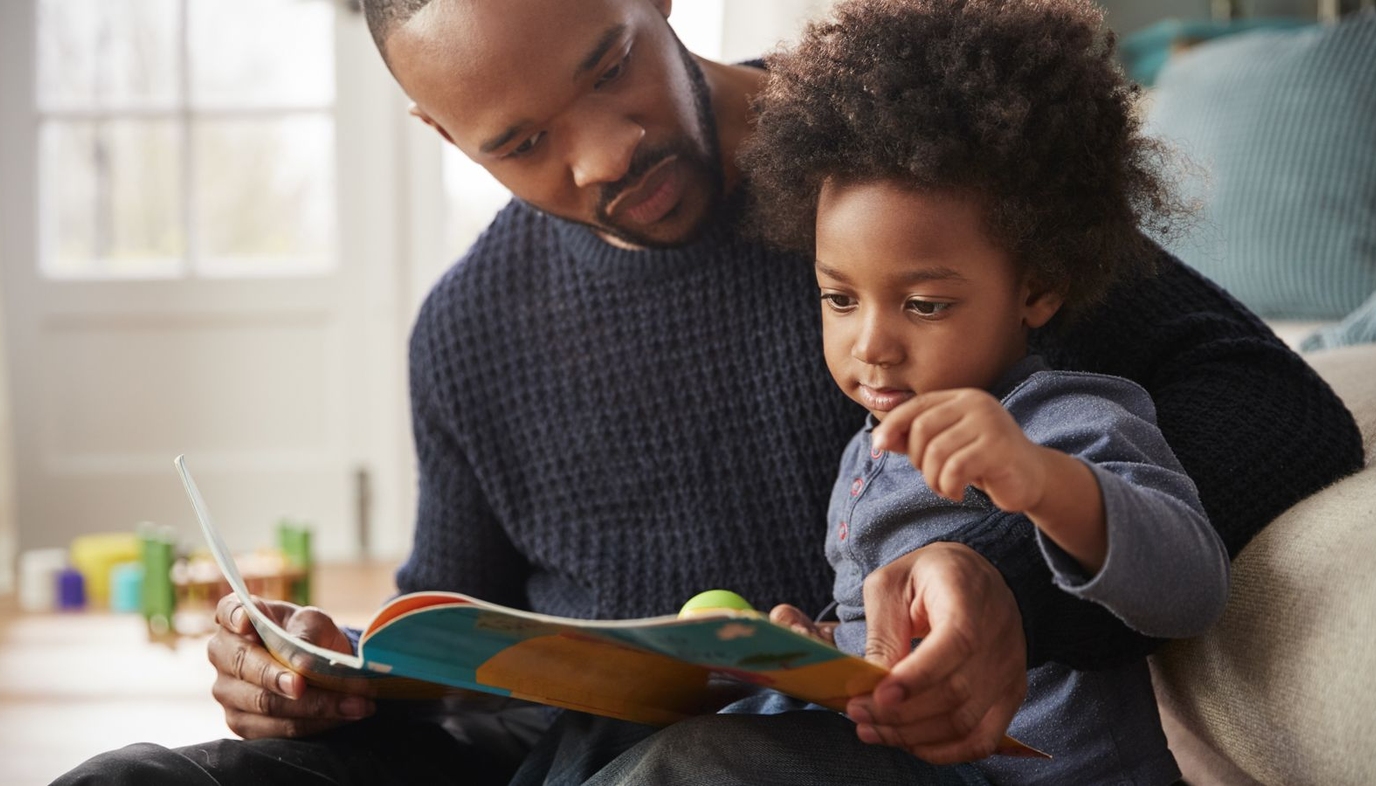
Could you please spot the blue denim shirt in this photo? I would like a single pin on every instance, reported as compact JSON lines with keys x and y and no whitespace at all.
{"x":1166,"y":573}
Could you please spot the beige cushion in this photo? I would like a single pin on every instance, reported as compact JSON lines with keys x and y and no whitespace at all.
{"x":1283,"y":689}
{"x":1293,"y":332}
{"x":1352,"y":373}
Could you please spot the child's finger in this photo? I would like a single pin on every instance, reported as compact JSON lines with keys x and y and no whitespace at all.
{"x":930,"y":426}
{"x":953,"y":439}
{"x":787,"y":614}
{"x":963,"y":467}
{"x":892,"y":433}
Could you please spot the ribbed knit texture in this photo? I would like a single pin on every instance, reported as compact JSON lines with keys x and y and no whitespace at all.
{"x":605,"y":433}
{"x":1283,"y":125}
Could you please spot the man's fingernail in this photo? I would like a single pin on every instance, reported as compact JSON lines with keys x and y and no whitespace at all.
{"x":866,"y":733}
{"x":859,"y":713}
{"x":236,"y":617}
{"x":890,"y":694}
{"x":355,"y":707}
{"x":284,"y":684}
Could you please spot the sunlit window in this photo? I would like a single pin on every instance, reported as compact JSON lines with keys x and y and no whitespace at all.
{"x":184,"y":138}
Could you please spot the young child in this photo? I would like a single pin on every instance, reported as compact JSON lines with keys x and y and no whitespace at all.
{"x":968,"y":172}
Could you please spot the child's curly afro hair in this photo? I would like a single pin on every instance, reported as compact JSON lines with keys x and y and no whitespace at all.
{"x":1018,"y":103}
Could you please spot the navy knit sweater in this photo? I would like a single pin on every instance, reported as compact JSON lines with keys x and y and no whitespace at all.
{"x":605,"y":433}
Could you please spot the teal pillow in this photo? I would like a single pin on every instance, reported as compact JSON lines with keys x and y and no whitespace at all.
{"x":1279,"y":131}
{"x":1145,"y":51}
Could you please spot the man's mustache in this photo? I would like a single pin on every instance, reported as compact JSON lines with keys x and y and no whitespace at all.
{"x":640,"y":164}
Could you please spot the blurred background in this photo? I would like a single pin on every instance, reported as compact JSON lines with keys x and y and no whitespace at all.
{"x":217,"y":222}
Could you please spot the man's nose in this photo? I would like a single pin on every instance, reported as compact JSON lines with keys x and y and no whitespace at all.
{"x":604,"y":150}
{"x":875,"y":343}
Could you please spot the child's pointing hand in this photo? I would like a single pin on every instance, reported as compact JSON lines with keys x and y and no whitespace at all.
{"x":964,"y":437}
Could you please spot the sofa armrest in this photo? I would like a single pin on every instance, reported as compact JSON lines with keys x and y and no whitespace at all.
{"x":1283,"y":689}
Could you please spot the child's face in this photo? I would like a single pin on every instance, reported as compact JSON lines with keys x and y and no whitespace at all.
{"x":915,"y":297}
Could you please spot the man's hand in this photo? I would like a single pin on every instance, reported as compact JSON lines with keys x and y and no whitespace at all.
{"x":950,"y":699}
{"x":263,"y":698}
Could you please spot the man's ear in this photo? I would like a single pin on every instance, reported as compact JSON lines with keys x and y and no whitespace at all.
{"x":417,"y":112}
{"x":1040,"y":304}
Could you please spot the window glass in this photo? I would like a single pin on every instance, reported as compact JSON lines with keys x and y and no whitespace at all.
{"x":111,"y":204}
{"x":186,"y":138}
{"x":261,"y":53}
{"x":263,"y":199}
{"x":107,"y":54}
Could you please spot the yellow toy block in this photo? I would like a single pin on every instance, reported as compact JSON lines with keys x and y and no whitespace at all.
{"x":96,"y":554}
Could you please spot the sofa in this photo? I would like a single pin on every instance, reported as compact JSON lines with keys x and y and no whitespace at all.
{"x":1270,"y":135}
{"x":1283,"y":689}
{"x":1273,"y":126}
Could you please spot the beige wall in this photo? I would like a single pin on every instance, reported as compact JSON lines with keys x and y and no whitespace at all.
{"x":8,"y":528}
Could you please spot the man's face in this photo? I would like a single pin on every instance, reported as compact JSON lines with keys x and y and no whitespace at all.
{"x":591,"y":111}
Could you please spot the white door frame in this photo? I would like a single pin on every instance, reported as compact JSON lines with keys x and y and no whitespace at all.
{"x":18,"y":141}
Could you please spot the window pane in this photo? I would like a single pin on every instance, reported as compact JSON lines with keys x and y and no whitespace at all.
{"x":262,"y":53}
{"x":107,"y":53}
{"x":111,"y":199}
{"x":474,"y":198}
{"x":264,"y":196}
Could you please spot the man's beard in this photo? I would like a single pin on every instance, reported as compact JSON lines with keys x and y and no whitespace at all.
{"x":707,"y":163}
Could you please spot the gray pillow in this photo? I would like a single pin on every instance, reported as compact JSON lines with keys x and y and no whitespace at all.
{"x":1279,"y":129}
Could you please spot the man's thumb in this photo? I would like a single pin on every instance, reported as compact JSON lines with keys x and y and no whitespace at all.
{"x":895,"y":612}
{"x":889,"y":632}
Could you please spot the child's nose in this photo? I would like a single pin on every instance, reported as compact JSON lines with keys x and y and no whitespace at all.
{"x":876,"y":344}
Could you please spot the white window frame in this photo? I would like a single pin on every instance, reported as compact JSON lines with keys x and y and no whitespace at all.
{"x":185,"y":115}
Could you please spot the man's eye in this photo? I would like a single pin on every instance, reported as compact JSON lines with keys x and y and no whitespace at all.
{"x":614,"y":73}
{"x":927,"y":308}
{"x":528,"y":145}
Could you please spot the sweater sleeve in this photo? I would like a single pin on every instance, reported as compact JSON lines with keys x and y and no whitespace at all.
{"x":1253,"y":425}
{"x":1166,"y":572}
{"x":459,"y":543}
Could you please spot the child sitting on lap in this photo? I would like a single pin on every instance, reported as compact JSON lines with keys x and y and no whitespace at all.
{"x":968,"y":172}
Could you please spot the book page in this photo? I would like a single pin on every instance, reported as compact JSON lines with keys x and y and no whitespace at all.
{"x":656,"y":670}
{"x":320,"y":666}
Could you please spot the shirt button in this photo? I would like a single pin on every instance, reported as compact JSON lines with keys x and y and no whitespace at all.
{"x":855,"y":486}
{"x":842,"y":531}
{"x":875,"y":453}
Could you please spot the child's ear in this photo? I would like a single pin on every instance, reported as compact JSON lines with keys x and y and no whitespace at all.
{"x":1040,"y":303}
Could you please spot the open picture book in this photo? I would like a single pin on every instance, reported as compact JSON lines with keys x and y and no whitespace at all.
{"x":656,"y":670}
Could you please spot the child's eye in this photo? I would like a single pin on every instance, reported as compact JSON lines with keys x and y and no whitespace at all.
{"x":614,"y":73}
{"x":927,"y":308}
{"x":837,"y":301}
{"x":528,"y":145}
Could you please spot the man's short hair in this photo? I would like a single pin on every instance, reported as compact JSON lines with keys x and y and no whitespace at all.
{"x":384,"y":16}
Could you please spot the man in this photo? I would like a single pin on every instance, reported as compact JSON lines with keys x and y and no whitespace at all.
{"x":619,"y":401}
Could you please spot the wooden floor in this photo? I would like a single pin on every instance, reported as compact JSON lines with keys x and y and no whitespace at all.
{"x":73,"y":685}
